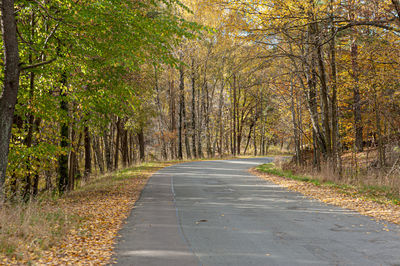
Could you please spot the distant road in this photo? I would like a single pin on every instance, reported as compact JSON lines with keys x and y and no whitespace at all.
{"x":216,"y":213}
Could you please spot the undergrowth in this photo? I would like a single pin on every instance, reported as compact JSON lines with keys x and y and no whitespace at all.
{"x":28,"y":229}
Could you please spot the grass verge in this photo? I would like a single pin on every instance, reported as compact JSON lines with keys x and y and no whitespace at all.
{"x":78,"y":228}
{"x":374,"y":201}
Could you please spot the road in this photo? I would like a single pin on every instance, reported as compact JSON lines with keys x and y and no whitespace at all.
{"x":216,"y":213}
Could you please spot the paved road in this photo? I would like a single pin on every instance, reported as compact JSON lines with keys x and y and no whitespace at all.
{"x":216,"y":213}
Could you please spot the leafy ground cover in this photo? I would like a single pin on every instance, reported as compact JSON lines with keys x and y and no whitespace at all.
{"x":374,"y":201}
{"x":78,"y":228}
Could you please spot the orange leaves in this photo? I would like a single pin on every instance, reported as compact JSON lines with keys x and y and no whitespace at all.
{"x":103,"y":213}
{"x":100,"y":207}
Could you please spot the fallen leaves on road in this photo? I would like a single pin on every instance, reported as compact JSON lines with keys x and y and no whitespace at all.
{"x":350,"y":199}
{"x":102,"y":207}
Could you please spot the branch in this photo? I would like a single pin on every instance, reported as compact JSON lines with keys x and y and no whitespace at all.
{"x":38,"y":64}
{"x":378,"y":24}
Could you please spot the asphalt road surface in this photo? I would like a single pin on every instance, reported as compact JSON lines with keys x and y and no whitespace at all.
{"x":216,"y":213}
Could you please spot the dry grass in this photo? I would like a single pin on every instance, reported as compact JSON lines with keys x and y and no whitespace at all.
{"x":28,"y":229}
{"x":344,"y":196}
{"x":78,"y":228}
{"x":378,"y":183}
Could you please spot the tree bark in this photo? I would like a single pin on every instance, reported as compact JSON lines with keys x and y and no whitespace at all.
{"x":181,"y":106}
{"x":234,"y":114}
{"x":172,"y":118}
{"x":336,"y":159}
{"x":296,"y":134}
{"x":324,"y":99}
{"x":381,"y":149}
{"x":141,"y":145}
{"x":220,"y":124}
{"x":193,"y":113}
{"x":88,"y":153}
{"x":99,"y":154}
{"x":185,"y":120}
{"x":63,"y":159}
{"x":107,"y":150}
{"x":8,"y":98}
{"x":356,"y":98}
{"x":117,"y":140}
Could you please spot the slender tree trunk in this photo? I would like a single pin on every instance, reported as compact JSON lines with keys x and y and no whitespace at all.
{"x":181,"y":106}
{"x":186,"y":127}
{"x":132,"y":141}
{"x":124,"y":147}
{"x":220,"y":122}
{"x":172,"y":118}
{"x":248,"y":137}
{"x":336,"y":159}
{"x":8,"y":98}
{"x":141,"y":145}
{"x":63,"y":159}
{"x":193,"y":112}
{"x":356,"y":98}
{"x":200,"y":123}
{"x":161,"y":118}
{"x":207,"y":121}
{"x":88,"y":154}
{"x":381,"y":150}
{"x":296,"y":134}
{"x":72,"y":161}
{"x":99,"y":154}
{"x":117,"y":140}
{"x":107,"y":150}
{"x":324,"y":100}
{"x":234,"y":116}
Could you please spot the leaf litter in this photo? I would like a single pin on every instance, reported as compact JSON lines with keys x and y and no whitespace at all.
{"x":102,"y":208}
{"x":384,"y":210}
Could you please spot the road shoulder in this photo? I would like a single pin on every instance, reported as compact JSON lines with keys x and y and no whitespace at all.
{"x":387,"y":211}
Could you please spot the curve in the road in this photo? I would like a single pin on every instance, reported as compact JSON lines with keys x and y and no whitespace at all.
{"x":216,"y":213}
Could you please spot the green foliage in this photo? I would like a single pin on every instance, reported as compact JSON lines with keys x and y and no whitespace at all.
{"x":95,"y":57}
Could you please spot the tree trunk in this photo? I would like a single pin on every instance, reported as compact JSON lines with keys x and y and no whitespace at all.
{"x":107,"y":150}
{"x":220,"y":105}
{"x":72,"y":161}
{"x":193,"y":113}
{"x":117,"y":139}
{"x":324,"y":100}
{"x":234,"y":116}
{"x":200,"y":123}
{"x":88,"y":154}
{"x":185,"y":120}
{"x":181,"y":106}
{"x":336,"y":159}
{"x":99,"y":154}
{"x":172,"y":118}
{"x":141,"y":145}
{"x":381,"y":150}
{"x":249,"y":137}
{"x":161,"y":119}
{"x":124,"y":147}
{"x":296,"y":134}
{"x":63,"y":159}
{"x":356,"y":98}
{"x":8,"y":98}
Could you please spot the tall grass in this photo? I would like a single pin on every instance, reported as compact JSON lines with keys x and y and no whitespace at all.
{"x":31,"y":227}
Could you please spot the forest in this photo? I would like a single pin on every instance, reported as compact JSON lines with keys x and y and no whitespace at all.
{"x":93,"y":86}
{"x":98,"y":95}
